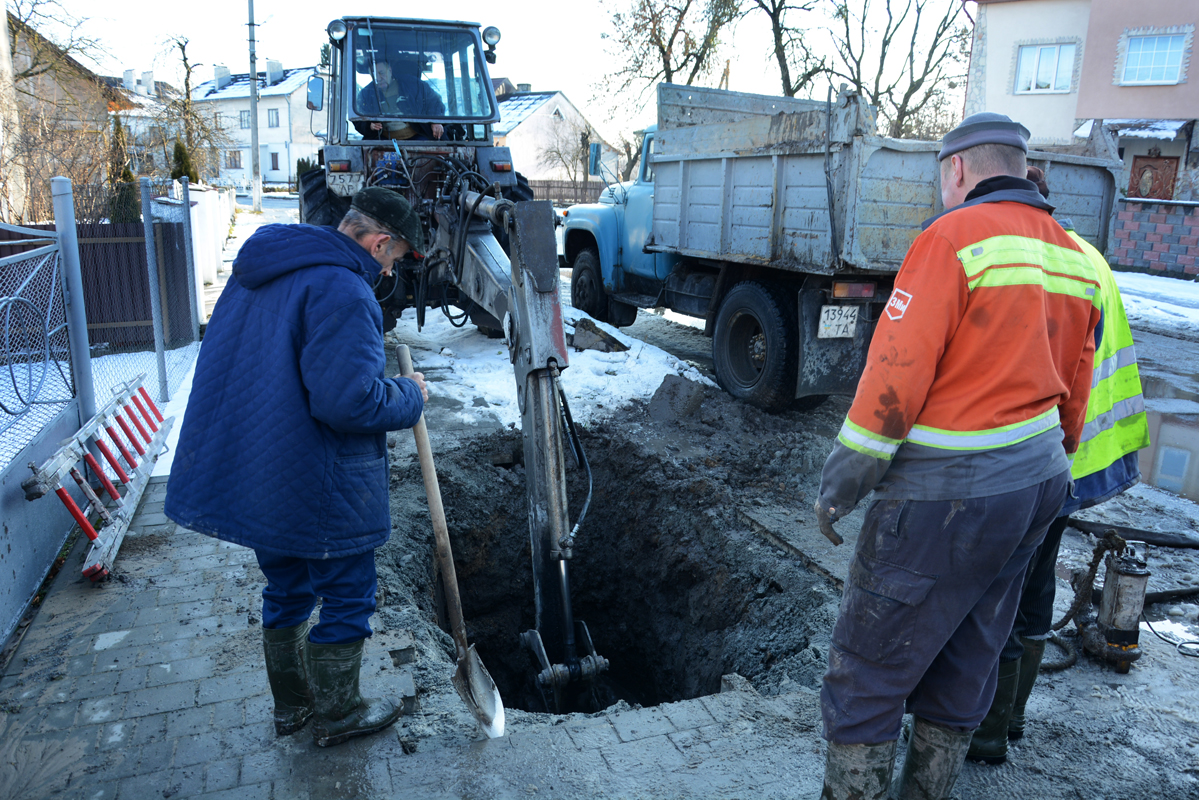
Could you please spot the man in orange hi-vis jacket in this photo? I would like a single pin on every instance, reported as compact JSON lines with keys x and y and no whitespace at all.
{"x":974,"y":392}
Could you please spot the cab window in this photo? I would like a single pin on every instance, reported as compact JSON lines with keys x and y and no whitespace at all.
{"x":419,"y":75}
{"x":647,"y":168}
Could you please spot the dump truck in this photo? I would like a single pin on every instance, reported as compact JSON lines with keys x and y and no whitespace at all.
{"x":409,"y":106}
{"x":781,"y":223}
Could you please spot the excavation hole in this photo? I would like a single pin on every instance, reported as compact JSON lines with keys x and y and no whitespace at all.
{"x":675,"y":590}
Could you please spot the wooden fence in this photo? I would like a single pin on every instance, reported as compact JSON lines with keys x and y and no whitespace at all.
{"x":567,"y":193}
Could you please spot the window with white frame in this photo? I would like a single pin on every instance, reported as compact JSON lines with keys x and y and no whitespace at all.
{"x":274,"y":161}
{"x":272,"y":118}
{"x":1153,"y":60}
{"x":233,"y":159}
{"x":1045,"y":68}
{"x":245,"y":120}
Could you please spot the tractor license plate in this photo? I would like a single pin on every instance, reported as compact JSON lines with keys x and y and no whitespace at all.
{"x":837,"y":322}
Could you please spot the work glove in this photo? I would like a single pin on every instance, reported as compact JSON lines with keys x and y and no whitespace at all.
{"x":824,"y":517}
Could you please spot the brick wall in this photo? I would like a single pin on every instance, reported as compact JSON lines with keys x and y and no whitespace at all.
{"x":1159,"y":235}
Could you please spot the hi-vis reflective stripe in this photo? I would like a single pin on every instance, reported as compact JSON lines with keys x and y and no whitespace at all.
{"x":1108,"y":419}
{"x":1018,"y":260}
{"x":1123,"y":357}
{"x":855,"y":437}
{"x":984,"y":440}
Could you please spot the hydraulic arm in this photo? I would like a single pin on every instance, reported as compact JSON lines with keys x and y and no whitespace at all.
{"x":521,"y":290}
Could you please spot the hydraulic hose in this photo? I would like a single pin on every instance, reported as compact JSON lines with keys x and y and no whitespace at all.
{"x":576,"y":446}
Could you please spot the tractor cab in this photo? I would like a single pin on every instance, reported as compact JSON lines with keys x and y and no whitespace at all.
{"x":408,"y":82}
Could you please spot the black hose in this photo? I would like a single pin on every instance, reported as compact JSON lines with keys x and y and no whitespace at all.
{"x":580,"y":457}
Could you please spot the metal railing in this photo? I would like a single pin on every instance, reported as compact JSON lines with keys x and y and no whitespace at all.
{"x":35,"y":369}
{"x":138,"y":310}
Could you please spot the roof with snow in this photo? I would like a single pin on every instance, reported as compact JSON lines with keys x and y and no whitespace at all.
{"x":239,"y":85}
{"x":1140,"y":128}
{"x":516,"y":108}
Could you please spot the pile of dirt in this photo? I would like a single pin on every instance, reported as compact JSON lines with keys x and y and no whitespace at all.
{"x":675,"y":589}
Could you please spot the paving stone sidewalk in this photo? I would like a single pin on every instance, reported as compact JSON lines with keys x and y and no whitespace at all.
{"x":151,"y":685}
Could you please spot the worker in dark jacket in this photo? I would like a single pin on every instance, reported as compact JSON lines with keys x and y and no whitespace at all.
{"x":399,"y":94}
{"x":1104,"y":466}
{"x":974,"y":391}
{"x":283,"y":448}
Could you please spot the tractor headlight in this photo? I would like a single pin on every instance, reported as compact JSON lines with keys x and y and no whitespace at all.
{"x":491,"y":35}
{"x":336,"y":30}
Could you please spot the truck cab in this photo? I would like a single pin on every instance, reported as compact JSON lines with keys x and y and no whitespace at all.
{"x":612,"y":274}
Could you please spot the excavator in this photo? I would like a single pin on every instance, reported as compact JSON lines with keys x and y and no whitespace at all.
{"x":410,"y":106}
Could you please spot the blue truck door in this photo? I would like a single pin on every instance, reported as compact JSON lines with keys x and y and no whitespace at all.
{"x":638,"y":221}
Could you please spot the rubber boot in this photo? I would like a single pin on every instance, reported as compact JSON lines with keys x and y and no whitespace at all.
{"x":935,"y":757}
{"x":990,"y":740}
{"x":1030,"y":665}
{"x":287,"y":671}
{"x":858,"y":771}
{"x":341,"y":712}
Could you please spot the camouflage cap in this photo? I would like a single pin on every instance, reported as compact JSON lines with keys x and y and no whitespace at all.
{"x":393,"y":212}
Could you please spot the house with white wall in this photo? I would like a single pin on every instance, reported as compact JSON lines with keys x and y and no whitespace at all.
{"x":150,"y":128}
{"x":542,"y":130}
{"x":285,"y":132}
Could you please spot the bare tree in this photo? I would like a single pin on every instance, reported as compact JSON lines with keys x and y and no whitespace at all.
{"x":666,"y":40}
{"x":62,"y":109}
{"x":178,"y":116}
{"x":790,"y":47}
{"x":566,"y":148}
{"x":58,"y":43}
{"x":630,"y":154}
{"x":900,"y":55}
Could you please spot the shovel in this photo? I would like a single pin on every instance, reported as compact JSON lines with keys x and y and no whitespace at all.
{"x":471,"y":679}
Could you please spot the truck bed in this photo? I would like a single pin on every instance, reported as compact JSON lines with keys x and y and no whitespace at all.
{"x":748,"y":179}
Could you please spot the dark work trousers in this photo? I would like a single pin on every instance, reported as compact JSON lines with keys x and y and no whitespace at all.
{"x":346,"y":586}
{"x":928,"y":604}
{"x":1034,"y":615}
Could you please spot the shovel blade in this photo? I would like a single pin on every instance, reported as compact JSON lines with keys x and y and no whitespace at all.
{"x":478,"y":691}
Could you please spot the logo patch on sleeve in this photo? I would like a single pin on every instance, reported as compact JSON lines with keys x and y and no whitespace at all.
{"x":898,"y":304}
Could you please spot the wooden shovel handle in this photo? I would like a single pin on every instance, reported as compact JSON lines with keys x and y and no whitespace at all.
{"x":441,"y":533}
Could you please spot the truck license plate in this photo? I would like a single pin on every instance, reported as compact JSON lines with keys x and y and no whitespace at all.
{"x":837,"y":322}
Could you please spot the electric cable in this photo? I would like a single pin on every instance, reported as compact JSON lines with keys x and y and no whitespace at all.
{"x":1177,"y":645}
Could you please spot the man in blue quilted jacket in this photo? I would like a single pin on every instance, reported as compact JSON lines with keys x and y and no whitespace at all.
{"x":283,"y":448}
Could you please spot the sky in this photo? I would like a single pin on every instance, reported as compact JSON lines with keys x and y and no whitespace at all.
{"x":550,"y":45}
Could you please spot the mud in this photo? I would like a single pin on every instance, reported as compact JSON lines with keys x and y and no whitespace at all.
{"x":675,"y":589}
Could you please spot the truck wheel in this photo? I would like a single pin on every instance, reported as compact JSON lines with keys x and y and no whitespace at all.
{"x":754,"y":346}
{"x":319,"y":206}
{"x":586,"y":289}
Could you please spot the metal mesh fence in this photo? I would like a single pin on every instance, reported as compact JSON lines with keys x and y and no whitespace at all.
{"x":35,"y":368}
{"x":140,"y":298}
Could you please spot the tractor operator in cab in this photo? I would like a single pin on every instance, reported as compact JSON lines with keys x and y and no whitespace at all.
{"x":283,"y":448}
{"x":974,"y":391}
{"x":398,"y":92}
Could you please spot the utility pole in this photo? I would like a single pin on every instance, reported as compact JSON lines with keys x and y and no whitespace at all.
{"x":256,"y":189}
